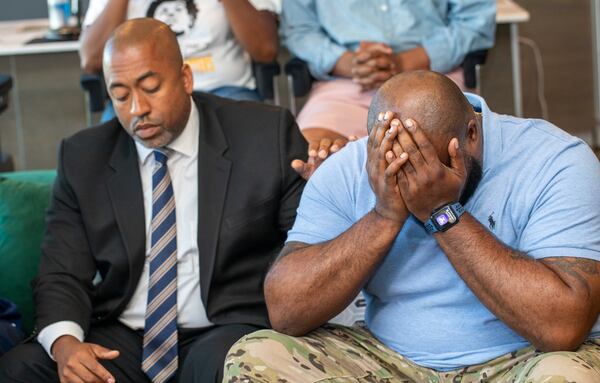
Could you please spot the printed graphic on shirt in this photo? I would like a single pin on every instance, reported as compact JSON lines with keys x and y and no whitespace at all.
{"x":202,"y":64}
{"x":179,"y":15}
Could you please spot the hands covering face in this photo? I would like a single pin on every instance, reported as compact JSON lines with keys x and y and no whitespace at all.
{"x":404,"y":169}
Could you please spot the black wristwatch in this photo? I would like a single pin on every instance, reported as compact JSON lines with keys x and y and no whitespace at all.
{"x":444,"y":217}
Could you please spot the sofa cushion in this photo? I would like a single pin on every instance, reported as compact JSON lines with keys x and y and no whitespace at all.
{"x":24,"y":198}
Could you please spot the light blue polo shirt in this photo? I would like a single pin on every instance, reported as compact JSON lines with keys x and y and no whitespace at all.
{"x":540,"y":194}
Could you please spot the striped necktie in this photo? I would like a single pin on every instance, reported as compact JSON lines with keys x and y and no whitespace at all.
{"x":160,"y":331}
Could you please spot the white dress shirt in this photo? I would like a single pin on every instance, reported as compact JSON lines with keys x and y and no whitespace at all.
{"x":183,"y":169}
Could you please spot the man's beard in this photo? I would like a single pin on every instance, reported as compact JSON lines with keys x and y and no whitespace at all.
{"x":473,"y":178}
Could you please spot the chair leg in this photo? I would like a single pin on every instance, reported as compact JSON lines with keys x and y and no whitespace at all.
{"x":291,"y":96}
{"x":6,"y":163}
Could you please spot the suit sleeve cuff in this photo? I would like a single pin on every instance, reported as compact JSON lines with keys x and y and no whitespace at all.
{"x":51,"y":333}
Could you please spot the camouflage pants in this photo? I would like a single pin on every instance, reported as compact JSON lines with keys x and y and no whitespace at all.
{"x":337,"y":354}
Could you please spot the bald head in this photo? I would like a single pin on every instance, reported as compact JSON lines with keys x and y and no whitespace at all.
{"x":146,"y":33}
{"x":428,"y":97}
{"x":148,"y":82}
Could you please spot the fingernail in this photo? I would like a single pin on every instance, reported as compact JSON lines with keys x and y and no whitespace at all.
{"x":404,"y":155}
{"x":111,"y":380}
{"x":334,"y":148}
{"x":380,"y":116}
{"x":323,"y":153}
{"x":409,"y":124}
{"x":455,"y":144}
{"x":395,"y":122}
{"x":312,"y":153}
{"x":387,"y":115}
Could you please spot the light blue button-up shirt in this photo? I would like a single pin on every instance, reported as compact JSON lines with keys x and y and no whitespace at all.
{"x":320,"y":31}
{"x":538,"y":194}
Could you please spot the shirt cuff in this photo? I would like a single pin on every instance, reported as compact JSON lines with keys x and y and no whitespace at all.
{"x":51,"y":333}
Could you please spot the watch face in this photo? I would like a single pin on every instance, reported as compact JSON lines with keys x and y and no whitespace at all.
{"x":444,"y":217}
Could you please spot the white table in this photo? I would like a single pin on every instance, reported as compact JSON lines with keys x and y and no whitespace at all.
{"x":14,"y":36}
{"x":509,"y":12}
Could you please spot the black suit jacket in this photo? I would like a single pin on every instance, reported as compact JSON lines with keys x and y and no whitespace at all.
{"x":247,"y":199}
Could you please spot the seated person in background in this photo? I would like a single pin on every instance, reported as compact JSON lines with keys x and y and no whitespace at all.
{"x":218,"y":38}
{"x":352,"y":47}
{"x":473,"y":235}
{"x":161,"y":226}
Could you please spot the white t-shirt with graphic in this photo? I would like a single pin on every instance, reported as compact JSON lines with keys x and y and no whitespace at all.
{"x":206,"y":40}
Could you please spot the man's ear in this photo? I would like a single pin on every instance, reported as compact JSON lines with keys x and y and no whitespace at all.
{"x":188,"y":78}
{"x":473,"y":133}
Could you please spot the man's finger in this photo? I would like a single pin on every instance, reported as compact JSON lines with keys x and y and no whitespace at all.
{"x":95,"y":368}
{"x":423,"y":143}
{"x":374,"y":129}
{"x":95,"y":372}
{"x":324,"y":146}
{"x":402,"y":178}
{"x":378,"y":130}
{"x":71,"y":377}
{"x":457,"y":157}
{"x":382,"y":128}
{"x":352,"y":138}
{"x":338,"y":143}
{"x":302,"y":168}
{"x":389,"y":137}
{"x":395,"y":166}
{"x":410,"y":147}
{"x":313,"y":148}
{"x":103,"y":352}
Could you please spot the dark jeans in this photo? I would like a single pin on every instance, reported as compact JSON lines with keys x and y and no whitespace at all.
{"x":201,"y":355}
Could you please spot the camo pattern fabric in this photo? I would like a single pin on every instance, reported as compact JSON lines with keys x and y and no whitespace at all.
{"x":338,"y":354}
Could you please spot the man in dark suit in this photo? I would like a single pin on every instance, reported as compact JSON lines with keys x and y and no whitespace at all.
{"x":161,"y":226}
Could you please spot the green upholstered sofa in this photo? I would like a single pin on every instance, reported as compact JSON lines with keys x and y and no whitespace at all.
{"x":24,"y":197}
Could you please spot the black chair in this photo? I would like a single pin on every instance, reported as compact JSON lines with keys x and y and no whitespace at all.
{"x":300,"y":80}
{"x":6,"y":162}
{"x":5,"y":86}
{"x":96,"y":94}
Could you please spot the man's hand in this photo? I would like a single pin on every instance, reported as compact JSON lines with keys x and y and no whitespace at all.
{"x":425,"y":183}
{"x":382,"y":176}
{"x":78,"y":362}
{"x":373,"y":64}
{"x":321,"y":143}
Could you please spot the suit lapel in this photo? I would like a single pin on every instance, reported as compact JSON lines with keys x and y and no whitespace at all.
{"x":213,"y":177}
{"x":127,"y":199}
